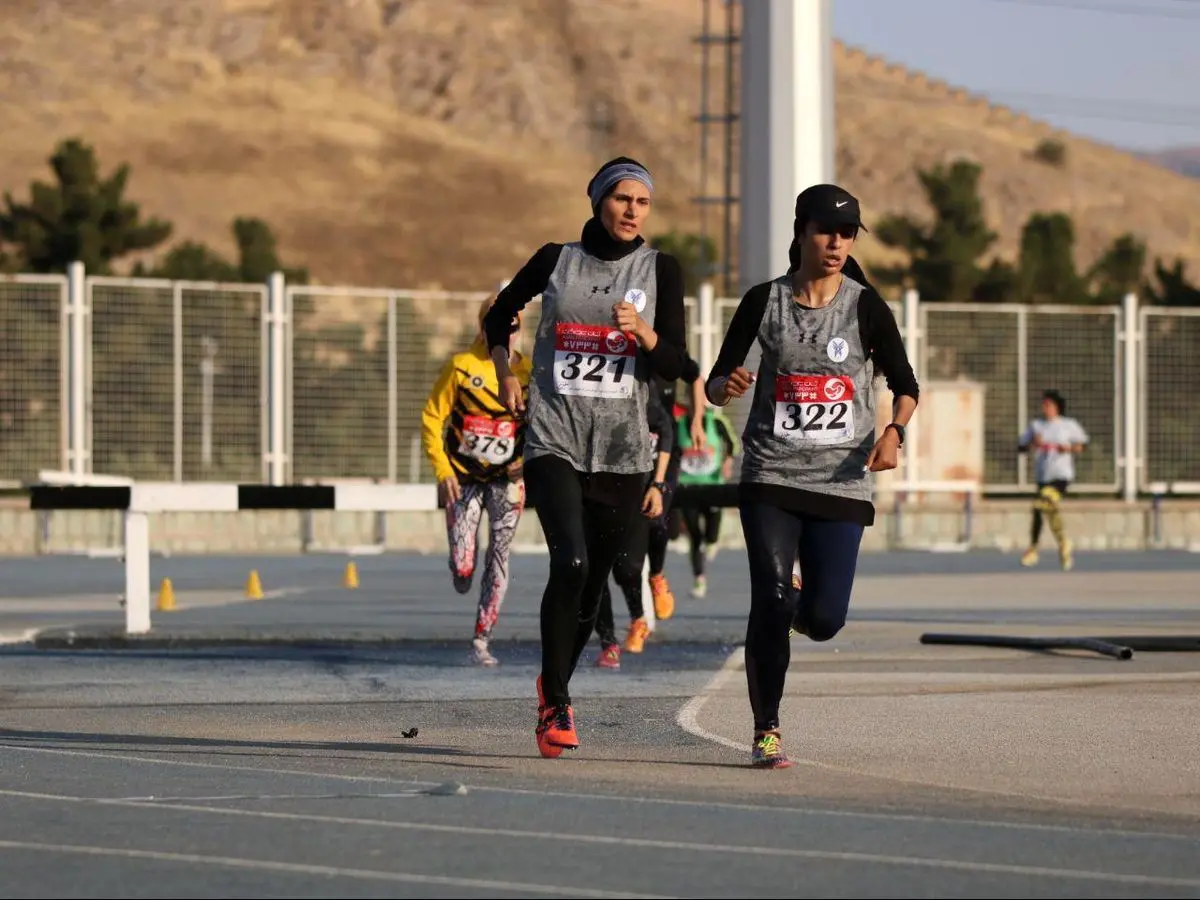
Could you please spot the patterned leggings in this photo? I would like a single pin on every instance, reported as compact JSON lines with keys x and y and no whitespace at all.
{"x":504,"y":500}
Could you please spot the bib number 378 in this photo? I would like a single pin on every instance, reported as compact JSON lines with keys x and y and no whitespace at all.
{"x":594,"y":361}
{"x":487,"y":440}
{"x":814,"y":409}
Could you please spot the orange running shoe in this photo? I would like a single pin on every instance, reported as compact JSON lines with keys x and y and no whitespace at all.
{"x":635,"y":640}
{"x":664,"y":600}
{"x":547,"y":750}
{"x":556,"y":731}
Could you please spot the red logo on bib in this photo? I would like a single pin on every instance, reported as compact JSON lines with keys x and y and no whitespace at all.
{"x":813,"y":388}
{"x":616,"y":342}
{"x":835,"y":389}
{"x":578,"y":338}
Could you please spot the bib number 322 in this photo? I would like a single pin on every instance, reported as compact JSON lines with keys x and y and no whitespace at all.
{"x":594,"y":361}
{"x":814,"y":409}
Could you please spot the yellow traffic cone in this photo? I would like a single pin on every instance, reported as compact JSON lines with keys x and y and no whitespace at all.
{"x":254,"y":589}
{"x":166,"y":596}
{"x":350,"y":580}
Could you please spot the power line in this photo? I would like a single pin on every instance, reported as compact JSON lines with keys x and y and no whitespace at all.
{"x":1140,"y":12}
{"x":1111,"y":109}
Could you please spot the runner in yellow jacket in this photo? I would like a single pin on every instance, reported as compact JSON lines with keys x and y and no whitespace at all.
{"x":475,"y":446}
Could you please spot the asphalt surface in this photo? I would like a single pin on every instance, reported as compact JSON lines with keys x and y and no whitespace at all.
{"x":329,"y":742}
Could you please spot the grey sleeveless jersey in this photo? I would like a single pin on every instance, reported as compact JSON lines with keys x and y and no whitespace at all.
{"x":812,"y":420}
{"x":589,"y":388}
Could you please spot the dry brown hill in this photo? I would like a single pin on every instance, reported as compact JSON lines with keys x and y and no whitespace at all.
{"x":437,"y":142}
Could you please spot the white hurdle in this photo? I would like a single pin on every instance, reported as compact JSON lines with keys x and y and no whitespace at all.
{"x":138,"y":500}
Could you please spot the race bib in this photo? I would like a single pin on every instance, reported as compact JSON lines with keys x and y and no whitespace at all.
{"x":698,"y":462}
{"x":487,"y":440}
{"x":594,"y":361}
{"x":814,"y":409}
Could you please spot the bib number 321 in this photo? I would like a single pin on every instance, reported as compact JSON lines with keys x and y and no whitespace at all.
{"x":594,"y":361}
{"x":814,"y":409}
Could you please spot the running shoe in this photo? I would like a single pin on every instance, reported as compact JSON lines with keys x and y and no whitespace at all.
{"x":610,"y":657}
{"x":556,"y":731}
{"x":664,"y":600}
{"x":1067,"y":556}
{"x":1029,"y":557}
{"x":635,"y":640}
{"x":547,"y":750}
{"x":767,"y":751}
{"x":700,"y":586}
{"x":480,"y":654}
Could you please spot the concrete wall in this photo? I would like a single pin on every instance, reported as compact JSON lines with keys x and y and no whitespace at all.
{"x":1092,"y":524}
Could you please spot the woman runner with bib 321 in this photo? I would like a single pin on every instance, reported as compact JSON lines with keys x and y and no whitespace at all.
{"x":809,"y":443}
{"x":474,"y":444}
{"x":612,"y":313}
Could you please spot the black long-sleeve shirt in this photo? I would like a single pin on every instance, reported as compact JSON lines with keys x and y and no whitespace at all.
{"x":877,"y":327}
{"x":667,"y":359}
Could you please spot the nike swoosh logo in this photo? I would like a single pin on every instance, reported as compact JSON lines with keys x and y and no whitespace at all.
{"x":840,"y":205}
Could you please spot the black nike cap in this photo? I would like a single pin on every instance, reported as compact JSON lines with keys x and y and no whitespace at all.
{"x":829,"y":205}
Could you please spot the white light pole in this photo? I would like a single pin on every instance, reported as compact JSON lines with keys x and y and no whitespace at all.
{"x":787,"y":124}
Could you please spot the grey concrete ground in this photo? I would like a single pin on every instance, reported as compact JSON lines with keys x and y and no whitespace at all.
{"x":198,"y":765}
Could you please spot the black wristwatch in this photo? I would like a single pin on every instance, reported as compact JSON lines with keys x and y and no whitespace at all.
{"x":899,"y":430}
{"x":661,"y":485}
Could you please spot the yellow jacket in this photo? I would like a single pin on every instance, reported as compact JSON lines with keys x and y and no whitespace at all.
{"x":465,"y":429}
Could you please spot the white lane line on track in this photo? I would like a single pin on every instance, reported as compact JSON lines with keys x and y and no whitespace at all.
{"x":687,"y":718}
{"x":308,"y":775}
{"x":268,"y":865}
{"x":885,"y":859}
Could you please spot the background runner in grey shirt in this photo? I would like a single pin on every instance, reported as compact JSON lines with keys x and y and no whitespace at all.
{"x":1054,"y":440}
{"x":809,"y":441}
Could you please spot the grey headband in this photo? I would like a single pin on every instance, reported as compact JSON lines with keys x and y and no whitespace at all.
{"x":605,"y":180}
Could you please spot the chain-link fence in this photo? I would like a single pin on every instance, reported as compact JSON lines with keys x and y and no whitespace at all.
{"x":1016,"y":352}
{"x":175,"y":370}
{"x":362,"y":365}
{"x":220,"y":411}
{"x":32,"y":374}
{"x":1169,"y":373}
{"x":176,"y":379}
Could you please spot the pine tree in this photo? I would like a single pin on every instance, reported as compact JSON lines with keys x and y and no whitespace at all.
{"x":80,"y":217}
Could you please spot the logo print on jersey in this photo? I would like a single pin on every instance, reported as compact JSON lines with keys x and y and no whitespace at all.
{"x":834,"y":389}
{"x":637,"y":297}
{"x":616,"y":342}
{"x":838,"y":349}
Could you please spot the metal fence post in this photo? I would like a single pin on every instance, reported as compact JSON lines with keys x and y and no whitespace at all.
{"x":77,"y":367}
{"x":1131,"y":397}
{"x":912,"y":346}
{"x":277,"y":397}
{"x":708,"y":327}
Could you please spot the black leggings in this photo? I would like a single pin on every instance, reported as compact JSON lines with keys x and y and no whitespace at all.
{"x":663,"y":530}
{"x":828,"y":553}
{"x":627,"y":573}
{"x":703,"y":527}
{"x":584,"y":518}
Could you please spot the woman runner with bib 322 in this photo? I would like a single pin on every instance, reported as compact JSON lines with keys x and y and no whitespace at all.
{"x":809,"y":443}
{"x":474,"y":444}
{"x":612,"y":313}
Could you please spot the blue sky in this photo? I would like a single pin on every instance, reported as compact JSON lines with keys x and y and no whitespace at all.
{"x":1122,"y":71}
